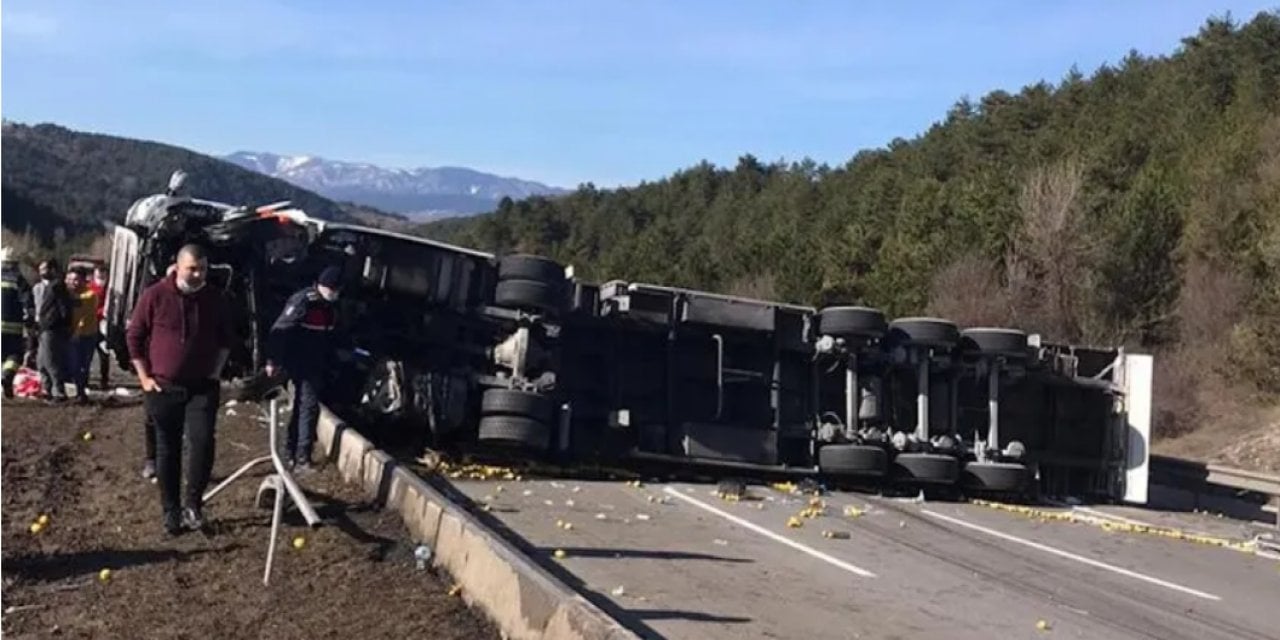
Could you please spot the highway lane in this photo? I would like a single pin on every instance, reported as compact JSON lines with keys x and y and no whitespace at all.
{"x":682,"y":563}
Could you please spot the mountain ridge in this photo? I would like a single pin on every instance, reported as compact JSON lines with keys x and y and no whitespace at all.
{"x":77,"y":181}
{"x":422,"y":193}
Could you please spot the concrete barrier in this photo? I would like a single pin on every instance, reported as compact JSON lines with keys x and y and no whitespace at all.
{"x":523,"y":599}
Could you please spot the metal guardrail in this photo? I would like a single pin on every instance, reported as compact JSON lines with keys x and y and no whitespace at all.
{"x":1201,"y":477}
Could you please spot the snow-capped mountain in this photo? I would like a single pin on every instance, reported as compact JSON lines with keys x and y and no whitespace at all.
{"x":421,"y":193}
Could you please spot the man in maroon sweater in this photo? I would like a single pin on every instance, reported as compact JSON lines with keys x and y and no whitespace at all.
{"x":179,"y":337}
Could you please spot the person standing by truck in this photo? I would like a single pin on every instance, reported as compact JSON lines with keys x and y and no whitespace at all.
{"x":99,"y":286}
{"x":301,"y":341}
{"x":53,"y":321}
{"x":16,"y":306}
{"x":84,"y":332}
{"x":179,"y":337}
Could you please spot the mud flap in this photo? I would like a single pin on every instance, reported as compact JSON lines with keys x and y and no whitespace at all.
{"x":1138,"y":371}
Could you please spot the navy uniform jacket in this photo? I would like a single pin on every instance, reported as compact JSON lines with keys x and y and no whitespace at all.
{"x":305,"y":334}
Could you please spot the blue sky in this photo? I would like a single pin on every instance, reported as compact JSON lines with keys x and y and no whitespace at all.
{"x":564,"y":92}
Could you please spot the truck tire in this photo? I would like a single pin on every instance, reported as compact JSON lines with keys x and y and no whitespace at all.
{"x":853,"y":460}
{"x":928,"y":468}
{"x":999,"y":477}
{"x":528,"y":294}
{"x":989,"y":341}
{"x":514,"y":431}
{"x":851,"y":322}
{"x":929,"y":332}
{"x":530,"y":267}
{"x":510,"y":402}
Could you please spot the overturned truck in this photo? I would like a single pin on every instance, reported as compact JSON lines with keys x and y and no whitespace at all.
{"x":512,"y":355}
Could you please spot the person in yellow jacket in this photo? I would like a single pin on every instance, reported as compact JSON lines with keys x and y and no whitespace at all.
{"x":84,"y":332}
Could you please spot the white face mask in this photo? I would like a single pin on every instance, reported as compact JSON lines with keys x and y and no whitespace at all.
{"x":330,"y":295}
{"x":184,"y":287}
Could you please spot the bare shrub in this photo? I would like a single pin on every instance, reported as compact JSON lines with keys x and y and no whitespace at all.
{"x":1193,"y":384}
{"x":100,"y":247}
{"x":1049,"y":266}
{"x":26,"y":248}
{"x":968,"y":292}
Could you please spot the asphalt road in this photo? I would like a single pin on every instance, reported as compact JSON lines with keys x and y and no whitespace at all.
{"x":676,"y":561}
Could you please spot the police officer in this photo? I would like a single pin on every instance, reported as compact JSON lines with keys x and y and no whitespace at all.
{"x":17,"y":308}
{"x":301,"y":341}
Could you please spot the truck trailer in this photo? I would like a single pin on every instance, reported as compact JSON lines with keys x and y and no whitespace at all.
{"x":515,"y":356}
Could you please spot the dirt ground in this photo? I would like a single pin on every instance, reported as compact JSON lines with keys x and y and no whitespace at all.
{"x":1256,"y":448}
{"x":353,"y":577}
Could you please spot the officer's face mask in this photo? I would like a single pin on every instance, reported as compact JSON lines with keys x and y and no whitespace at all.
{"x":330,"y":295}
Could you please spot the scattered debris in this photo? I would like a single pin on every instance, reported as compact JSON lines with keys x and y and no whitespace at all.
{"x":455,"y":590}
{"x":854,"y":512}
{"x":299,"y":542}
{"x":576,"y":489}
{"x":722,"y":543}
{"x":104,"y":575}
{"x":1042,"y":625}
{"x":88,"y":435}
{"x":619,"y":591}
{"x":421,"y":556}
{"x":642,"y":516}
{"x":231,"y":412}
{"x":601,"y":516}
{"x":569,"y":503}
{"x":549,"y":503}
{"x":902,"y":524}
{"x":22,"y":607}
{"x":794,"y":522}
{"x":526,"y":492}
{"x":836,"y":535}
{"x":1111,"y":526}
{"x":560,"y":554}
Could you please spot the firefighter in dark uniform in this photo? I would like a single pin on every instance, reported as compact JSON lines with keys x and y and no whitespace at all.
{"x":17,"y":308}
{"x":301,"y":342}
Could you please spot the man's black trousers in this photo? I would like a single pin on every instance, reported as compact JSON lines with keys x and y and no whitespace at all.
{"x":192,"y":407}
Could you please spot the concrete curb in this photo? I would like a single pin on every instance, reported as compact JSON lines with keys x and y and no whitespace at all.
{"x":524,"y":600}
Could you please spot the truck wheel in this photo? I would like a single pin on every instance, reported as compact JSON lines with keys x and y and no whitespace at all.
{"x":530,"y":267}
{"x":514,"y":431}
{"x":859,"y":322}
{"x":528,"y":294}
{"x":510,"y":402}
{"x":931,"y":468}
{"x":1010,"y":343}
{"x":931,"y":332}
{"x":853,"y":460}
{"x":1002,"y":477}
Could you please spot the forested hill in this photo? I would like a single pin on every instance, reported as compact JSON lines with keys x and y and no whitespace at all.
{"x":1116,"y":183}
{"x":58,"y":178}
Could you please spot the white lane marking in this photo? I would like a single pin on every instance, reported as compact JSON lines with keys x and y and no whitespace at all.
{"x":771,"y":535}
{"x":1071,"y":556}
